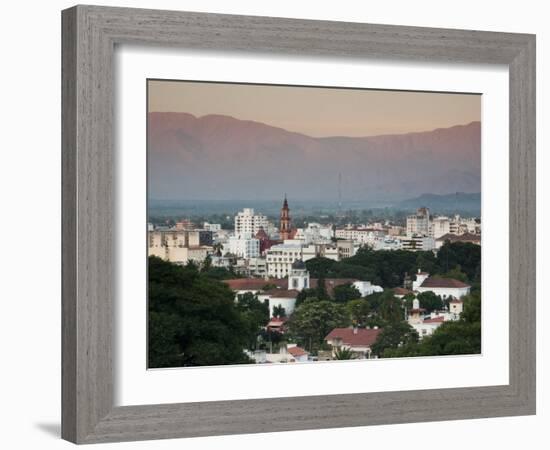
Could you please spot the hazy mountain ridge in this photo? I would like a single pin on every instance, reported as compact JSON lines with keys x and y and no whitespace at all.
{"x":449,"y":203}
{"x":219,"y":156}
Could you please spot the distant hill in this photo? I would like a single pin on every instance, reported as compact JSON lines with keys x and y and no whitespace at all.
{"x":219,"y":157}
{"x":458,"y":202}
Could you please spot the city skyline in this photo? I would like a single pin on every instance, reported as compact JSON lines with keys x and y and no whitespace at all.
{"x":277,"y":267}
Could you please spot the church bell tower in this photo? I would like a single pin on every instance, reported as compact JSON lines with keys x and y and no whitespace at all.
{"x":284,"y":227}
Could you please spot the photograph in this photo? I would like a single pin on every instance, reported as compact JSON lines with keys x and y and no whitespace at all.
{"x":304,"y":224}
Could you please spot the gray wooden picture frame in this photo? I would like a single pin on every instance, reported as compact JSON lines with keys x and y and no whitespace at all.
{"x":90,"y":34}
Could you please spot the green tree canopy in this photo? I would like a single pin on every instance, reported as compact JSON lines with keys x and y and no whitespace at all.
{"x":319,"y":267}
{"x":254,"y":313}
{"x":359,"y":311}
{"x":193,"y":319}
{"x":391,"y":308}
{"x":345,"y":292}
{"x":314,"y":319}
{"x":456,"y":273}
{"x":465,"y":255}
{"x":279,"y":311}
{"x":394,"y":335}
{"x":430,"y":301}
{"x":461,"y":337}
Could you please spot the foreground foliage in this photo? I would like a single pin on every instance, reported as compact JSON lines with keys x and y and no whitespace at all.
{"x":194,"y":320}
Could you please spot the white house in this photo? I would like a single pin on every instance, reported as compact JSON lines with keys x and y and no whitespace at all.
{"x":358,"y":340}
{"x":423,"y":326}
{"x":427,"y":326}
{"x":279,"y":297}
{"x":297,"y":353}
{"x":420,"y":277}
{"x":444,"y":287}
{"x":367,"y":288}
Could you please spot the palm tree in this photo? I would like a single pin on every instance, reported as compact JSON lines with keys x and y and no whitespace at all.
{"x":279,"y":311}
{"x":343,"y":353}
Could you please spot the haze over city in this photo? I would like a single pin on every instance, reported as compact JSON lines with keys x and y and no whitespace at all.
{"x":215,"y":141}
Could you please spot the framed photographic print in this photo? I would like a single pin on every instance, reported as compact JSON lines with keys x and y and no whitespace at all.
{"x":336,"y":219}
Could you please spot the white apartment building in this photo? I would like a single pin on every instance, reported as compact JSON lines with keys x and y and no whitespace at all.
{"x":440,"y":226}
{"x":215,"y":227}
{"x":419,"y":223}
{"x":244,"y":246}
{"x":367,"y":235}
{"x":247,"y":222}
{"x":329,"y":251}
{"x":257,"y":267}
{"x":280,"y":257}
{"x":388,"y":243}
{"x":417,"y":243}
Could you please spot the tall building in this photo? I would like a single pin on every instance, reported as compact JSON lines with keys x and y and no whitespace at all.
{"x":419,"y":223}
{"x":244,"y":247}
{"x":284,"y":228}
{"x":247,"y":223}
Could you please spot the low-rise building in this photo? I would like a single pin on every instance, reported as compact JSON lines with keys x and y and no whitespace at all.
{"x":417,"y":243}
{"x":446,"y":288}
{"x":285,"y":298}
{"x":358,"y":340}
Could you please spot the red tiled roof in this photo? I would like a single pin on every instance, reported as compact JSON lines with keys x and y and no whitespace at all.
{"x":277,"y":322}
{"x":282,"y":293}
{"x":254,"y":284}
{"x":435,"y":282}
{"x":361,"y":336}
{"x":296,"y":351}
{"x":454,"y":300}
{"x":435,"y":320}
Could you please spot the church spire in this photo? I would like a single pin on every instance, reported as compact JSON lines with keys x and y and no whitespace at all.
{"x":284,"y":227}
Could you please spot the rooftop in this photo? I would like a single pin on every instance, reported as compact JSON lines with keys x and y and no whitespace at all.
{"x":355,"y":337}
{"x":282,"y":293}
{"x":439,"y":319}
{"x":437,"y":282}
{"x":254,"y":284}
{"x":296,"y":351}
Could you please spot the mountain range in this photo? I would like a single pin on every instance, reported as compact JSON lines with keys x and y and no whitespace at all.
{"x":221,"y":157}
